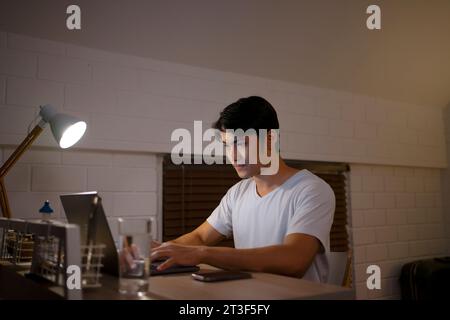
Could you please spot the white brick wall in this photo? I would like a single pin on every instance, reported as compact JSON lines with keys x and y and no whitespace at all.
{"x":394,"y":222}
{"x":127,"y":182}
{"x":132,"y":104}
{"x":105,"y":87}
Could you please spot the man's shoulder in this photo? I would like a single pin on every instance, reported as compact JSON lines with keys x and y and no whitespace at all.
{"x":310,"y":184}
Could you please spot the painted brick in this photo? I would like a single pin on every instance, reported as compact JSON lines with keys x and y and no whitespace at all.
{"x":394,"y":184}
{"x":407,"y":232}
{"x":398,"y":250}
{"x":86,"y":158}
{"x":360,"y":272}
{"x":58,"y":179}
{"x":423,"y":172}
{"x":18,"y":179}
{"x":396,"y":216}
{"x":415,"y":119}
{"x":432,"y":184}
{"x":435,"y":215}
{"x":430,"y":231}
{"x":116,"y":77}
{"x":383,"y":171}
{"x":424,"y":200}
{"x":419,"y":248}
{"x":384,"y":200}
{"x":359,"y":254}
{"x":161,"y":107}
{"x":300,"y":104}
{"x":362,"y":201}
{"x":372,"y":184}
{"x":404,"y":171}
{"x":15,"y":119}
{"x":28,"y":92}
{"x":122,"y":179}
{"x":360,"y":170}
{"x":356,"y":183}
{"x":353,"y":112}
{"x":64,"y":69}
{"x":341,"y":129}
{"x":365,"y":130}
{"x":388,"y":133}
{"x":414,"y":184}
{"x":21,"y":42}
{"x":376,"y":253}
{"x":416,"y":215}
{"x":303,"y":124}
{"x":376,"y":114}
{"x":129,"y":129}
{"x":37,"y":156}
{"x":328,"y":108}
{"x":357,"y":218}
{"x":352,"y":147}
{"x":374,"y":218}
{"x":18,"y":63}
{"x":363,"y":236}
{"x":138,"y":160}
{"x":405,"y":200}
{"x":89,"y":98}
{"x":386,"y":234}
{"x":141,"y":204}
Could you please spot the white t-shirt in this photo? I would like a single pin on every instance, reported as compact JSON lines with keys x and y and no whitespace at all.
{"x":302,"y":204}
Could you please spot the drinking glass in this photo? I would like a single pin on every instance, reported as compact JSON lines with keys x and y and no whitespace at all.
{"x":134,"y":256}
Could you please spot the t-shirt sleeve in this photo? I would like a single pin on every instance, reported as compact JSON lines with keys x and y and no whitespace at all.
{"x":314,"y":213}
{"x":220,"y":218}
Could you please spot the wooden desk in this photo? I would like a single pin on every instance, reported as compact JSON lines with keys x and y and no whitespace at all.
{"x":262,"y":286}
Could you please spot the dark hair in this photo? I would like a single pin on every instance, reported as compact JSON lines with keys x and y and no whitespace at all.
{"x":248,"y":113}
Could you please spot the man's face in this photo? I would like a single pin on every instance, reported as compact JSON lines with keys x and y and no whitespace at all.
{"x":242,"y":152}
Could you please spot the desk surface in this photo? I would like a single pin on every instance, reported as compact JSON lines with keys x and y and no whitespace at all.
{"x":262,"y":286}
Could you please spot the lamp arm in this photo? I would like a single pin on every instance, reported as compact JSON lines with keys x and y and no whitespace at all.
{"x":21,"y":149}
{"x":26,"y":143}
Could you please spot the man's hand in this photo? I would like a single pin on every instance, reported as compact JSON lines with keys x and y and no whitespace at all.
{"x":177,"y":255}
{"x":129,"y":254}
{"x":155,"y":244}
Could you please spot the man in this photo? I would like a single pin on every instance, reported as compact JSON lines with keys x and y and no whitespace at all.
{"x":280,"y":223}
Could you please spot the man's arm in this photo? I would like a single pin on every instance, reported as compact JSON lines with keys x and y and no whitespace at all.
{"x":292,"y":258}
{"x":204,"y":235}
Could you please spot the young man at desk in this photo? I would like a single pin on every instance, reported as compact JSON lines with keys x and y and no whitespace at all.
{"x":280,"y":222}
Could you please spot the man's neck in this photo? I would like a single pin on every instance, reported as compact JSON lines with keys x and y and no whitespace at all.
{"x":267,"y":183}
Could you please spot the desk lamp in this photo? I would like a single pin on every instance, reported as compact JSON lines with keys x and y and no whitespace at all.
{"x":66,"y":129}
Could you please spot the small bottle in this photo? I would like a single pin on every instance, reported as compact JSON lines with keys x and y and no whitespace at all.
{"x":46,"y":211}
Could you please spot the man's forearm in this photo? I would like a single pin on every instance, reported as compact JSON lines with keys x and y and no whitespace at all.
{"x":191,"y":239}
{"x":279,"y":259}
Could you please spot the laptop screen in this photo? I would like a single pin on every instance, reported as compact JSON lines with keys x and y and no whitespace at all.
{"x":86,"y":210}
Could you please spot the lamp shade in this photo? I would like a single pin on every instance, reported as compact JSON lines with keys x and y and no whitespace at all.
{"x":66,"y":129}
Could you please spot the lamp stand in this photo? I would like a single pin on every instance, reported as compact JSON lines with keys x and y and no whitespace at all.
{"x":10,"y":163}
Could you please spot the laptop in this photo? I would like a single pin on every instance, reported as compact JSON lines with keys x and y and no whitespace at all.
{"x":86,"y":210}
